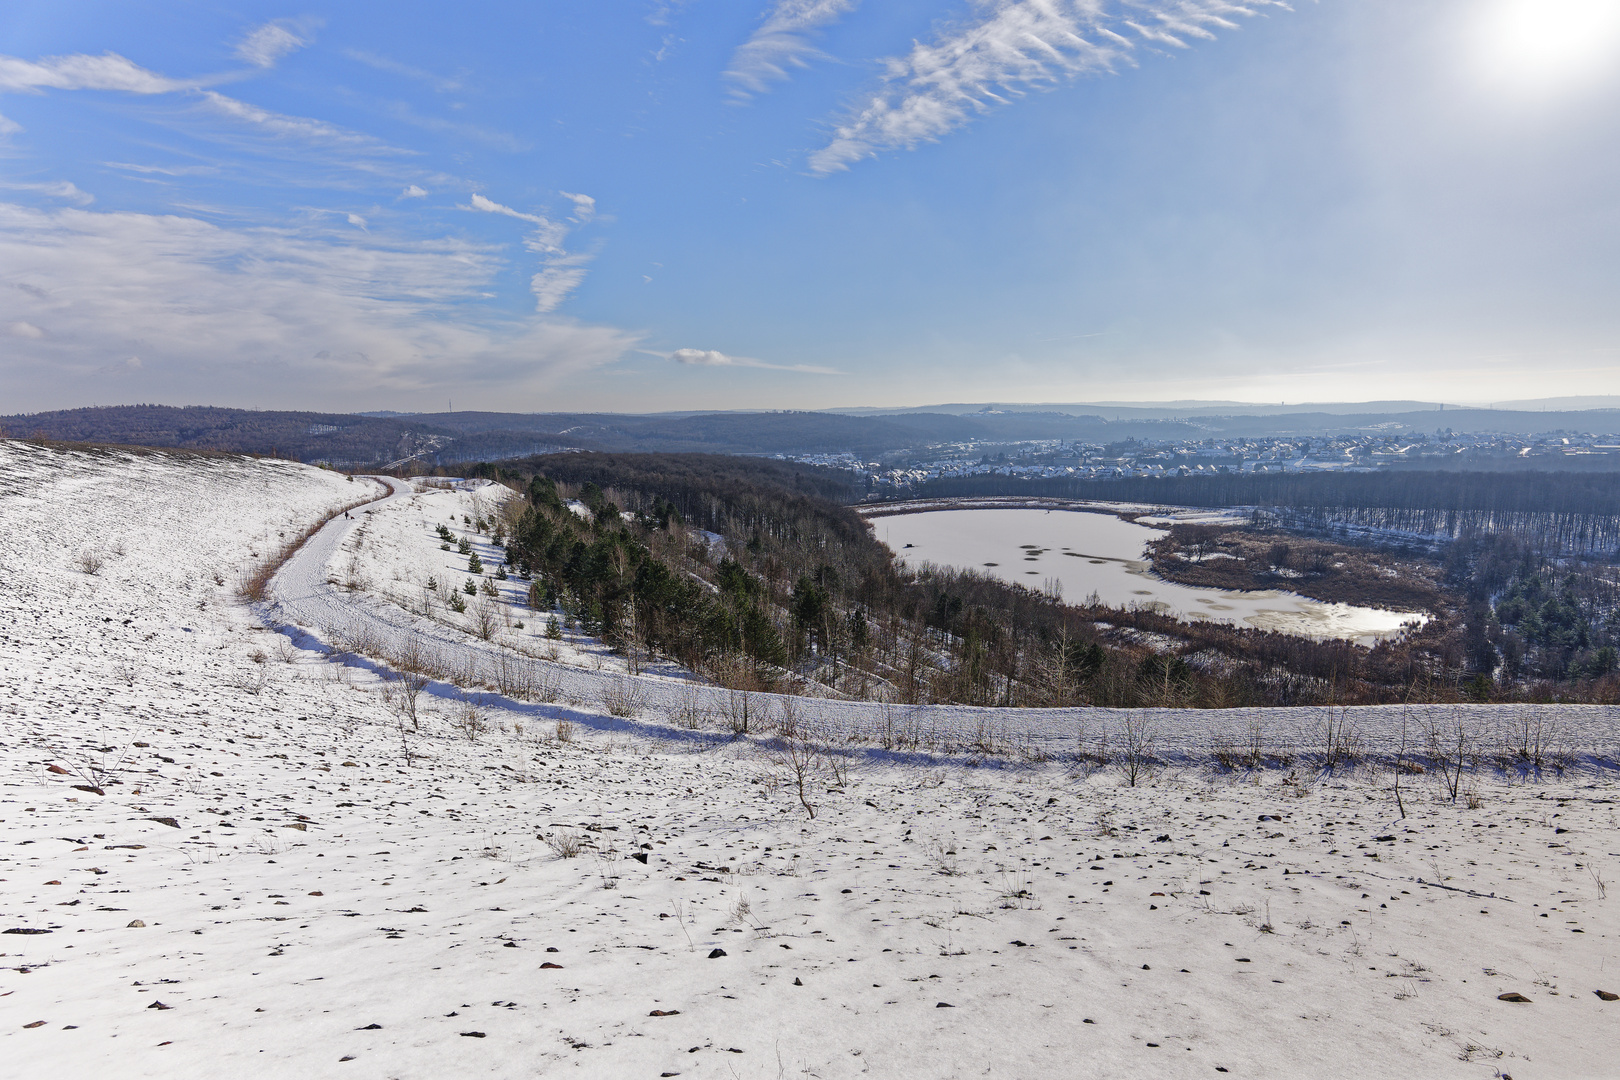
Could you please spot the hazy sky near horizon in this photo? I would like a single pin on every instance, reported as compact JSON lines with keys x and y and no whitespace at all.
{"x":676,"y":204}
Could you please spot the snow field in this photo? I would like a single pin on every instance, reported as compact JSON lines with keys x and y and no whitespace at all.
{"x":342,"y":894}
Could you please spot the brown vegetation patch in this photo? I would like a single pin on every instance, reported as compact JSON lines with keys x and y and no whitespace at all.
{"x":1242,"y":557}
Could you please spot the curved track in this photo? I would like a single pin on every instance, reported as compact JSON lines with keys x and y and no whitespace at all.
{"x":306,"y":604}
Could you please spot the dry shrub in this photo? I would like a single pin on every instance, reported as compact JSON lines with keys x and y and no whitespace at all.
{"x":622,"y":697}
{"x":739,"y":711}
{"x":690,"y":711}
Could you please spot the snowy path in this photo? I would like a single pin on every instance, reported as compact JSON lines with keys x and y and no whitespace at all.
{"x":326,"y":615}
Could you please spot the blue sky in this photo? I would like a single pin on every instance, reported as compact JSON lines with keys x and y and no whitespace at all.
{"x":678,"y":204}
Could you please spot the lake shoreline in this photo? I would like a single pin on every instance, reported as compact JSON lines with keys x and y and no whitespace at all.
{"x":1108,"y":557}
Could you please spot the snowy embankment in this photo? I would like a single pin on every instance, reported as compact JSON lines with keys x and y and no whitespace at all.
{"x":360,"y":585}
{"x":283,"y":878}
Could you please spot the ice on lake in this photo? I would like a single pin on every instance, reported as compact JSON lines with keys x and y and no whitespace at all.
{"x":1083,"y":553}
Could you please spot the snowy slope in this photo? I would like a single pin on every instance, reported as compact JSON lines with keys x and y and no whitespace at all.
{"x":343,"y":894}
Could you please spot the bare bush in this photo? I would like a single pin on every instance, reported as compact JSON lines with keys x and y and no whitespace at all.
{"x":564,"y":845}
{"x":738,"y":711}
{"x":622,"y":697}
{"x":799,"y":761}
{"x":251,"y":679}
{"x":1531,"y":742}
{"x":471,"y":718}
{"x":689,"y":712}
{"x":837,"y":768}
{"x":96,"y":772}
{"x":1135,"y":754}
{"x":788,"y":723}
{"x":1451,"y":748}
{"x":546,"y":686}
{"x":89,"y":561}
{"x":486,"y":619}
{"x":1339,"y":737}
{"x":943,"y":855}
{"x":565,"y":731}
{"x":514,"y":677}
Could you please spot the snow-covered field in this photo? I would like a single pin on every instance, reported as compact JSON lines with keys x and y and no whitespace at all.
{"x":947,"y":912}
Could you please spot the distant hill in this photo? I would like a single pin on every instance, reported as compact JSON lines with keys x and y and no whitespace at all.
{"x":376,"y":439}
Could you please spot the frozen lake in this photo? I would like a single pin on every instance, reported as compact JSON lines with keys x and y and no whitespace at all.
{"x":1085,"y":553}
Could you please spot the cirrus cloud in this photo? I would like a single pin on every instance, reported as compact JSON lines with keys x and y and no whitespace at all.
{"x":80,"y":71}
{"x":715,"y":358}
{"x":562,"y":272}
{"x":781,"y":42}
{"x":1014,"y":46}
{"x":264,"y":45}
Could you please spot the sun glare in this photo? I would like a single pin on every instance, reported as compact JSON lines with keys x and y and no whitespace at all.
{"x":1541,"y":47}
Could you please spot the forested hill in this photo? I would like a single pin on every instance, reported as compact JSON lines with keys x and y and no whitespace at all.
{"x":451,"y":438}
{"x":1571,"y":512}
{"x":688,"y":480}
{"x":1521,"y":492}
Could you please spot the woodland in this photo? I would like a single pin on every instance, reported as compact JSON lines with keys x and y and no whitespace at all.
{"x":760,"y":574}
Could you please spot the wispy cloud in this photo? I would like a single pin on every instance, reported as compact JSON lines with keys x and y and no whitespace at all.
{"x":1012,"y":47}
{"x":8,"y":126}
{"x":264,"y":45}
{"x":281,"y":125}
{"x":413,"y":191}
{"x":261,"y":313}
{"x":56,"y":189}
{"x":490,"y":206}
{"x":394,"y":67}
{"x":80,"y":71}
{"x":561,"y":271}
{"x":553,"y":285}
{"x":584,"y":206}
{"x":781,"y":42}
{"x":501,"y":140}
{"x":714,"y":358}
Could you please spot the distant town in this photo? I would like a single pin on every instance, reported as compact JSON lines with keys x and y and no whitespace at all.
{"x":1043,"y":458}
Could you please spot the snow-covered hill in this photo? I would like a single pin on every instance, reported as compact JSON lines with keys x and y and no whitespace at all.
{"x":288,"y":876}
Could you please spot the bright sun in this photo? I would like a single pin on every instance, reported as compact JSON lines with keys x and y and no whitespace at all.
{"x":1537,"y":47}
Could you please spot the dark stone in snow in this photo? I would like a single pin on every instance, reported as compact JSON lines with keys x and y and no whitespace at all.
{"x":716,"y":953}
